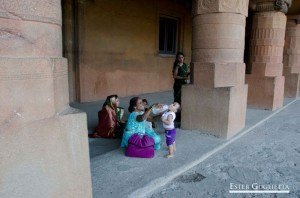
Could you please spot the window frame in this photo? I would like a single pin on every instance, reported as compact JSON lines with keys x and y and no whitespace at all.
{"x":176,"y":40}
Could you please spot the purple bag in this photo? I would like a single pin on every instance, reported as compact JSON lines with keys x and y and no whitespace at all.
{"x":140,"y":146}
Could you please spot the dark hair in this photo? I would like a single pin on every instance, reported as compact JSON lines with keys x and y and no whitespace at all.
{"x":176,"y":61}
{"x":132,"y":103}
{"x":145,"y":100}
{"x":108,"y":99}
{"x":112,"y":96}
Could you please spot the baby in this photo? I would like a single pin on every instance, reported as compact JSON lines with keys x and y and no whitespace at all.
{"x":168,"y":124}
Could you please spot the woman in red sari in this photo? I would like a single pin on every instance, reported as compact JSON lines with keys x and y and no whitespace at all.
{"x":109,"y":124}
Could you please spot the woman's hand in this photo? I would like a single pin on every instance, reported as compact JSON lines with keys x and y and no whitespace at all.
{"x":157,"y":105}
{"x":145,"y":115}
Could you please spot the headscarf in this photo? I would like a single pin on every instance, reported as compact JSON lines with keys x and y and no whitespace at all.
{"x":110,"y":101}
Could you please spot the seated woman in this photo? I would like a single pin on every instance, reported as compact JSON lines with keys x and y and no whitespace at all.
{"x":136,"y":124}
{"x":110,"y":124}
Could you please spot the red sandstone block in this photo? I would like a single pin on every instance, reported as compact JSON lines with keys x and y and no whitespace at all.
{"x":264,"y":42}
{"x":47,"y":11}
{"x":292,"y":60}
{"x":265,"y":92}
{"x":32,"y":89}
{"x":214,"y":75}
{"x":292,"y":42}
{"x":220,"y":36}
{"x":269,"y":20}
{"x":219,"y":111}
{"x":266,"y":59}
{"x":218,"y":55}
{"x":29,"y":39}
{"x":291,"y":70}
{"x":293,"y":31}
{"x":60,"y":83}
{"x":219,"y":18}
{"x":268,"y":33}
{"x":291,"y":85}
{"x":53,"y":150}
{"x":267,"y":69}
{"x":257,"y":50}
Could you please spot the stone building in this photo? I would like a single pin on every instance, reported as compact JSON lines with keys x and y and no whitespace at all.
{"x":54,"y":52}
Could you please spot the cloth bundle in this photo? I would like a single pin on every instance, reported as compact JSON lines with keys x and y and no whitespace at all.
{"x":140,"y":146}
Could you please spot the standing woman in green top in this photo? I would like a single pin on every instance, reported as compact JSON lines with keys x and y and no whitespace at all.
{"x":181,"y":72}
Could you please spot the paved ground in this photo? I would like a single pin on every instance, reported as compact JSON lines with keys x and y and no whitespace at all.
{"x":204,"y":166}
{"x":270,"y":154}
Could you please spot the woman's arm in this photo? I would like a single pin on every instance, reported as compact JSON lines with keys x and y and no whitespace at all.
{"x":143,"y":117}
{"x":150,"y":118}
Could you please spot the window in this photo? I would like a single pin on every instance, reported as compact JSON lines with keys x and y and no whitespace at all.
{"x":167,"y":35}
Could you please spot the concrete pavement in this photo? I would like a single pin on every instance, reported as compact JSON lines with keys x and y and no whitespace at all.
{"x":267,"y":156}
{"x":115,"y":175}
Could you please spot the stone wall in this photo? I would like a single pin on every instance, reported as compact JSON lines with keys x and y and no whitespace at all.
{"x":118,"y":47}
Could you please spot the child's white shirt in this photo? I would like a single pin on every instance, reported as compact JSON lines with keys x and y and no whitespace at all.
{"x":165,"y":117}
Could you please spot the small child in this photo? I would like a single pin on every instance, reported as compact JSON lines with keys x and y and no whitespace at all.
{"x":168,"y":124}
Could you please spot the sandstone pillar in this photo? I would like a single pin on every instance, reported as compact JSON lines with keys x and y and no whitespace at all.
{"x":291,"y":57}
{"x":43,"y":142}
{"x":266,"y":83}
{"x":216,"y":102}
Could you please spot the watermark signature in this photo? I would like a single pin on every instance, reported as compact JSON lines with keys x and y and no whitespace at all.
{"x":258,"y":188}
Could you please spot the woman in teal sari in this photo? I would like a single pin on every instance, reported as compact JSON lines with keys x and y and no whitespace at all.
{"x":136,"y":123}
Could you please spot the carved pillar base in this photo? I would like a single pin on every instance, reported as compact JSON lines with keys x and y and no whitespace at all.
{"x":266,"y":82}
{"x":43,"y":141}
{"x":265,"y":92}
{"x":291,"y":85}
{"x":220,"y":112}
{"x":291,"y":58}
{"x":45,"y":158}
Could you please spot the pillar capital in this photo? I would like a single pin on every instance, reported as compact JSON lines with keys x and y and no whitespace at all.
{"x":217,"y":6}
{"x":270,"y":5}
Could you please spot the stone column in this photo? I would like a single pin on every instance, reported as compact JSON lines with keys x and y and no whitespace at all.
{"x":266,"y":83}
{"x":291,"y":57}
{"x":43,"y":142}
{"x":216,"y":102}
